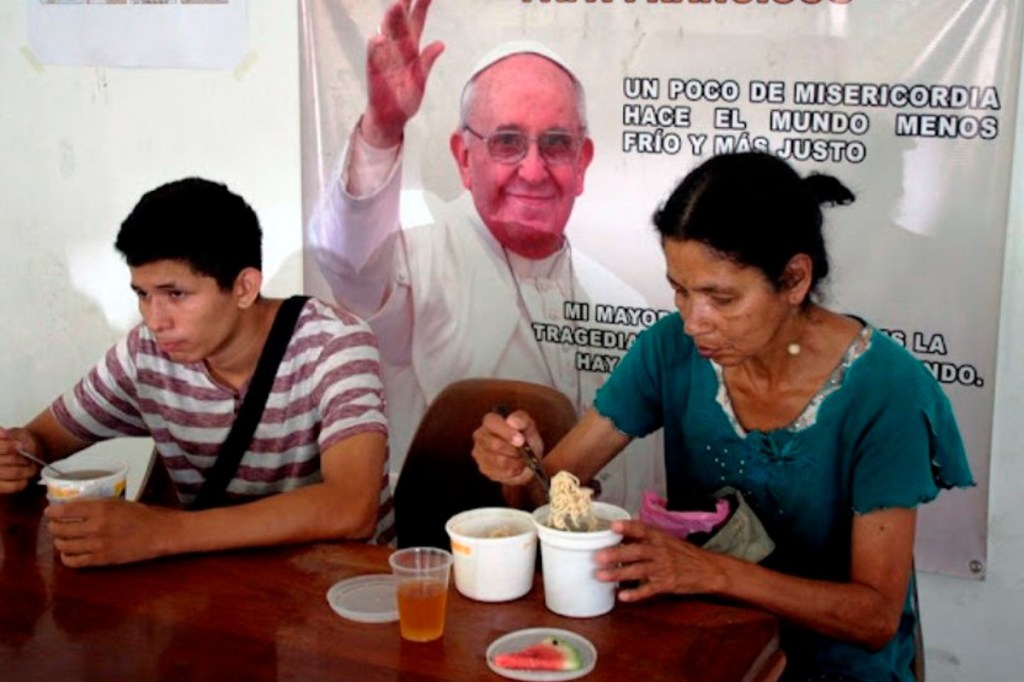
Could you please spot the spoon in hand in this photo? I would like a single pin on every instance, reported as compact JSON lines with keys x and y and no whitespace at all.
{"x":46,"y":465}
{"x":532,"y":461}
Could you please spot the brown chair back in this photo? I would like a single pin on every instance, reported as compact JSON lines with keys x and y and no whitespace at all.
{"x":440,"y":478}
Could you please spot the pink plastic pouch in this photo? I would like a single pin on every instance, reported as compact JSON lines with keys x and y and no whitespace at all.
{"x":654,"y":512}
{"x":732,"y":528}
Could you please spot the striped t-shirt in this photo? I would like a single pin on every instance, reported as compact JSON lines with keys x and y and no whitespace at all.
{"x":327,"y":389}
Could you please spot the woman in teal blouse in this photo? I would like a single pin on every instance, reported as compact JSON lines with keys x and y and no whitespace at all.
{"x":833,"y":432}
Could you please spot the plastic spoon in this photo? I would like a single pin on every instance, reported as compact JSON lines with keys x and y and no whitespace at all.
{"x":533,"y":461}
{"x":46,"y":465}
{"x":528,"y":454}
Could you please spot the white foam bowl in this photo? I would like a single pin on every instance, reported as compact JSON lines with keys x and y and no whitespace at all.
{"x":495,"y":551}
{"x":95,"y":476}
{"x":568,"y":567}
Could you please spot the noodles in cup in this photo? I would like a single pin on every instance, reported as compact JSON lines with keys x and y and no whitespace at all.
{"x":570,"y":504}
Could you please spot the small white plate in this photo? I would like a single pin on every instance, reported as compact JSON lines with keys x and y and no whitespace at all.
{"x":520,"y":639}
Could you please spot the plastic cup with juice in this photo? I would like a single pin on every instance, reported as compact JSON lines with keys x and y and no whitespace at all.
{"x":422,"y":576}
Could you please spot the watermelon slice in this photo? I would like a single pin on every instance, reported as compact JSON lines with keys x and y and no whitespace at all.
{"x":550,"y":653}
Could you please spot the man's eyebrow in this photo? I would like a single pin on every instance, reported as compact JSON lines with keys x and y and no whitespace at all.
{"x":164,"y":286}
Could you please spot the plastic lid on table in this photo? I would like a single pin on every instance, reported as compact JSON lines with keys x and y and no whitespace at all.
{"x":366,"y":598}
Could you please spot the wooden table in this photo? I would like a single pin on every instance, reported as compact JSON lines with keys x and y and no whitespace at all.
{"x":263,"y":615}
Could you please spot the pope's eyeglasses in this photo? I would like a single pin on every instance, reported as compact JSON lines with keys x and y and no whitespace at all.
{"x":510,"y":146}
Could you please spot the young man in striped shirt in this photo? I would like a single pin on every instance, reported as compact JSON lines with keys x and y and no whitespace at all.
{"x":317,"y":464}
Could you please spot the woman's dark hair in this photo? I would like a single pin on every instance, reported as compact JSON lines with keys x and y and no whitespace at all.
{"x":756,"y":210}
{"x":195,"y":221}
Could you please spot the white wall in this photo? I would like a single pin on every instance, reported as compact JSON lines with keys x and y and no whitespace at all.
{"x":972,"y":629}
{"x":79,"y":145}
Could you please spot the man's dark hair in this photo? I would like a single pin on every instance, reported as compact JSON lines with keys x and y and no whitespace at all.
{"x":196,"y":221}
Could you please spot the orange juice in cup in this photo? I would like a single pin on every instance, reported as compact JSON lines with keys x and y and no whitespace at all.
{"x":422,"y":574}
{"x":421,"y":609}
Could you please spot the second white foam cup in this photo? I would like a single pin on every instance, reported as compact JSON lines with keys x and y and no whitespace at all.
{"x":495,"y":550}
{"x":571,"y":587}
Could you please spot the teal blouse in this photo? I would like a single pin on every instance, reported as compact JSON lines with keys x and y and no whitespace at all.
{"x":880,"y":433}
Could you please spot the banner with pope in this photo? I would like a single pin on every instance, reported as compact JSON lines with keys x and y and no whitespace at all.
{"x":910,"y":104}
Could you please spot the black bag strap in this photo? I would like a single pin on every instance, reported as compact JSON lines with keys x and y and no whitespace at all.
{"x":211,"y":493}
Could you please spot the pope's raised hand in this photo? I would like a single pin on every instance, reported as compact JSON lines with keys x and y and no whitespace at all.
{"x":396,"y":72}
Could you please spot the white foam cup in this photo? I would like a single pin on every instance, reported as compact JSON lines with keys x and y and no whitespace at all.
{"x":99,"y":476}
{"x":495,"y":551}
{"x":568,"y":567}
